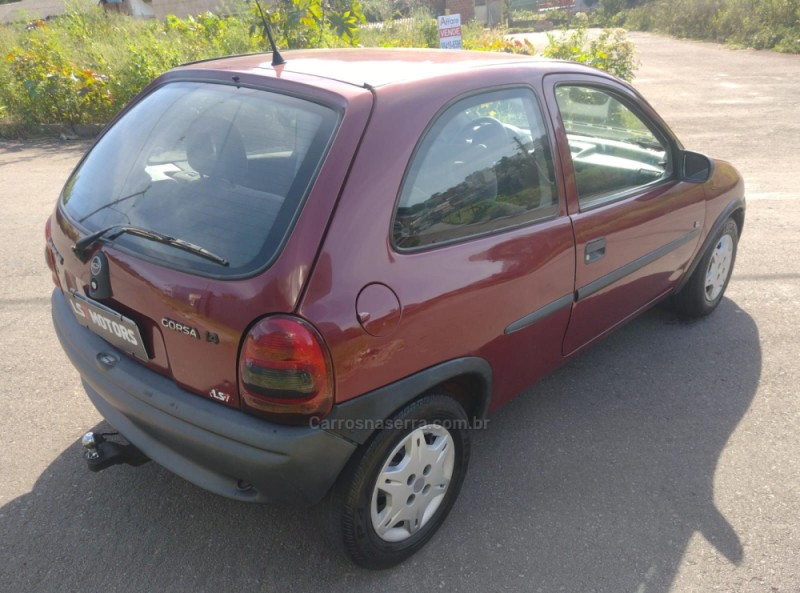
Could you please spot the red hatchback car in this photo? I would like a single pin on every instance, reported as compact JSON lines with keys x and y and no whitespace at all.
{"x":308,"y":282}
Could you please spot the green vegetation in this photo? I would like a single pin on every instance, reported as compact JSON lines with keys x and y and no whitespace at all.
{"x":378,"y":11}
{"x":419,"y":29}
{"x":521,"y":19}
{"x":611,"y":51}
{"x":762,"y":24}
{"x":83,"y":67}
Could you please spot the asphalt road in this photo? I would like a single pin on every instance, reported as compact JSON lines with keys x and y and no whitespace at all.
{"x":665,"y":459}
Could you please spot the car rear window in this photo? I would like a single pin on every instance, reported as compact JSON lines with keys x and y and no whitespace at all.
{"x":223,"y":167}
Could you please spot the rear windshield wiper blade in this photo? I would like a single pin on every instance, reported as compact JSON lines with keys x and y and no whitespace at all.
{"x":114,"y":231}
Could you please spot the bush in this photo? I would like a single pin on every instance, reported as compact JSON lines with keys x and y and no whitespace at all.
{"x":380,"y":11}
{"x":83,"y":67}
{"x":48,"y":88}
{"x":611,"y":51}
{"x":762,"y":24}
{"x":533,"y":20}
{"x":417,"y":30}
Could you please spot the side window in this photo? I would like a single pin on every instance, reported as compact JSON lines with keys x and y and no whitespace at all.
{"x":484,"y":165}
{"x":613,"y":150}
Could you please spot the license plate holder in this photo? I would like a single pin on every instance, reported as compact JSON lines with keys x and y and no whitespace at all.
{"x":114,"y":328}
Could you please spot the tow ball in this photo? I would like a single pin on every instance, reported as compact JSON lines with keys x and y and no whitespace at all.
{"x":101,"y":453}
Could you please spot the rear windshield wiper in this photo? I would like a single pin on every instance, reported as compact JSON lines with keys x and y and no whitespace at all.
{"x":116,"y":230}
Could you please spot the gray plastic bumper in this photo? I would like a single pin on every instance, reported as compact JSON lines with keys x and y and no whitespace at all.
{"x":214,"y":447}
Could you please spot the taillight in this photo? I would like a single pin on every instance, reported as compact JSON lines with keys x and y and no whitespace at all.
{"x":285,"y":370}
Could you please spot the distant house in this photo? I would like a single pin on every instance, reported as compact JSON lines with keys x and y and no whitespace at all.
{"x":137,"y":8}
{"x":489,"y":12}
{"x":28,"y":10}
{"x":184,"y":8}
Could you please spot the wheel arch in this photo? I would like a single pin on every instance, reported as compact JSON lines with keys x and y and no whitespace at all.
{"x":738,"y":218}
{"x":468,"y":380}
{"x":735,"y":211}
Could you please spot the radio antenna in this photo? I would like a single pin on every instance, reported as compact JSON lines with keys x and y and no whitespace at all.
{"x":277,"y":58}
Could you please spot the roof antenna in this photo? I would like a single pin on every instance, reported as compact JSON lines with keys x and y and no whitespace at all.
{"x":277,"y":58}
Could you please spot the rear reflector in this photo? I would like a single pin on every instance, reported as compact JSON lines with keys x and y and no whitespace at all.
{"x":285,"y":370}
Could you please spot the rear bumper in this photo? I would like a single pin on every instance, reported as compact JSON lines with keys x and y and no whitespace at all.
{"x":207,"y":444}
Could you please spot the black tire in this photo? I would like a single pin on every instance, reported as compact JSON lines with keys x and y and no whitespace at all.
{"x":695,"y":299}
{"x":348,"y":508}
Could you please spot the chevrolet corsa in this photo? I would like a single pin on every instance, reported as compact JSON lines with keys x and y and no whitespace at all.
{"x":307,"y":282}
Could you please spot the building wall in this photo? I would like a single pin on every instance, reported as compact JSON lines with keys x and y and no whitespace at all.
{"x":142,"y":8}
{"x":184,"y":8}
{"x":437,"y":7}
{"x":466,"y":8}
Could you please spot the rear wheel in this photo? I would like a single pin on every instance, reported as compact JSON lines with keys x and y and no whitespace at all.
{"x":393,"y":497}
{"x":706,"y":287}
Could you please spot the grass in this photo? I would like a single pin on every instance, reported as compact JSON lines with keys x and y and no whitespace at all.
{"x":760,"y":24}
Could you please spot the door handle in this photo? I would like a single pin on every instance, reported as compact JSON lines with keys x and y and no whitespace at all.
{"x":595,"y":250}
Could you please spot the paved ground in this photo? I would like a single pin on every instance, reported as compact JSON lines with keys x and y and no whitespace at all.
{"x":666,"y":459}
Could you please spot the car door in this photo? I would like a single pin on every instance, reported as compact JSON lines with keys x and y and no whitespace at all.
{"x":479,"y":259}
{"x":636,"y":224}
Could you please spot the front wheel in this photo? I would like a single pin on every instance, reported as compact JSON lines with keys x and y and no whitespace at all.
{"x":705,"y":288}
{"x":393,"y":497}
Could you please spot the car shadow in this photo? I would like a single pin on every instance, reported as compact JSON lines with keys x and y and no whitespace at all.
{"x":19,"y":151}
{"x":594,"y":481}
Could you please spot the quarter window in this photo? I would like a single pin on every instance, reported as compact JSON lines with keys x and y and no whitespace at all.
{"x":613,"y":150}
{"x":485,"y":165}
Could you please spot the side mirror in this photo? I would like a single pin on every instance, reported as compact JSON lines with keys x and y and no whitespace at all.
{"x":696,"y":167}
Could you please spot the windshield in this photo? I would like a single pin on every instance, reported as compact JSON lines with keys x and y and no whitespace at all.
{"x":223,"y":167}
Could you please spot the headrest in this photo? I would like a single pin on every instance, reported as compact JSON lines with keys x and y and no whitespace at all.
{"x":214,"y":148}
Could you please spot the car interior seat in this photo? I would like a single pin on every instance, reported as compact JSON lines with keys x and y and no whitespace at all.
{"x":215,"y":150}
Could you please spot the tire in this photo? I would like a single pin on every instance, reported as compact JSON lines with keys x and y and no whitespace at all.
{"x":420,"y":460}
{"x":707,"y":284}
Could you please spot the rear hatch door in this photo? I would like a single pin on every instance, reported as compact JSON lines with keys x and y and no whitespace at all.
{"x":208,"y":202}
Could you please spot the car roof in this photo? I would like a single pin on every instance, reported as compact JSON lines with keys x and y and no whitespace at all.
{"x":370,"y":67}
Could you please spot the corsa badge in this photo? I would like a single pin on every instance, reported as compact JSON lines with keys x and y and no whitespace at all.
{"x":176,"y":326}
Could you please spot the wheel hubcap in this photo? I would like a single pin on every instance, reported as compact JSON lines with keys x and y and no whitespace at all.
{"x":412,"y":483}
{"x":719,"y":268}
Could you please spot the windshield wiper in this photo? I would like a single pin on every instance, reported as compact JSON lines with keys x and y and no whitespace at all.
{"x":115,"y":202}
{"x":116,"y":230}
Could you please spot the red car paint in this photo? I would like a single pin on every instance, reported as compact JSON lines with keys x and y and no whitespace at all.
{"x":385,"y":313}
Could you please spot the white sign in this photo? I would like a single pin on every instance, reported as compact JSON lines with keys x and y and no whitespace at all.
{"x":450,"y":31}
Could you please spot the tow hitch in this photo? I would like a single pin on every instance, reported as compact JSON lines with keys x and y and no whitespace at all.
{"x":100,"y":453}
